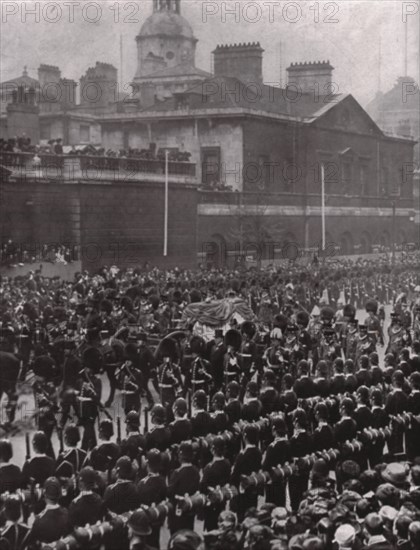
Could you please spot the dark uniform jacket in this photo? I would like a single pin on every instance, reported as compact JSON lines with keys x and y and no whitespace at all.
{"x":278,"y":452}
{"x":323,"y":437}
{"x":181,"y":430}
{"x":363,"y":417}
{"x":152,"y":489}
{"x":51,"y":524}
{"x":248,"y":461}
{"x":39,"y":468}
{"x":184,"y":480}
{"x":86,"y":508}
{"x":215,"y":473}
{"x":345,"y":430}
{"x":121,"y":496}
{"x":15,"y":536}
{"x":10,"y":478}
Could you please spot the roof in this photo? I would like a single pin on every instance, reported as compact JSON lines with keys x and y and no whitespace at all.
{"x":23,"y":80}
{"x":223,"y":92}
{"x":178,"y":70}
{"x":404,"y":95}
{"x":166,"y":23}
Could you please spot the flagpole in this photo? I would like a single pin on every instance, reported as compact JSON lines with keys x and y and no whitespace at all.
{"x":323,"y":205}
{"x":165,"y":234}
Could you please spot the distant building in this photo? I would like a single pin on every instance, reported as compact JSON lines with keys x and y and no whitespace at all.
{"x":256,"y":151}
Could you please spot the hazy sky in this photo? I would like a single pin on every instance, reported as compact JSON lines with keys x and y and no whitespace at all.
{"x":364,"y":40}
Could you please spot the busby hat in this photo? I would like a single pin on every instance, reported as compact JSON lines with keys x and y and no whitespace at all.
{"x":92,"y":359}
{"x":248,"y":328}
{"x":154,"y":301}
{"x":280,"y":321}
{"x":292,"y":328}
{"x":195,"y":296}
{"x":197,"y":345}
{"x":371,"y":306}
{"x":218,"y":333}
{"x":362,"y":328}
{"x":233,"y":338}
{"x":302,"y":318}
{"x":52,"y":489}
{"x":167,"y":348}
{"x":349,"y":311}
{"x":327,"y":314}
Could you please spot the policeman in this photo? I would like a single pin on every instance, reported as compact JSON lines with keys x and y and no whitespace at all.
{"x":122,"y":496}
{"x":15,"y":534}
{"x":201,"y":421}
{"x":159,"y":435}
{"x":180,"y":427}
{"x":88,"y":506}
{"x":72,"y":456}
{"x":278,"y":452}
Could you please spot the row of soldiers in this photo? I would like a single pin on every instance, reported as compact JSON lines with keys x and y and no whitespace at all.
{"x":202,"y":452}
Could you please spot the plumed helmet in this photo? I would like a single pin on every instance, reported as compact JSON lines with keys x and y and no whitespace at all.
{"x":154,"y":301}
{"x":302,"y":318}
{"x":197,"y":345}
{"x":195,"y":296}
{"x":92,"y":359}
{"x":248,"y":328}
{"x":349,"y":311}
{"x":327,"y":314}
{"x":167,"y":348}
{"x":233,"y":338}
{"x":372,"y":306}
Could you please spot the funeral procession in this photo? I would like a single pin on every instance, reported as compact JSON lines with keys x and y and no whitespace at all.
{"x":209,"y":275}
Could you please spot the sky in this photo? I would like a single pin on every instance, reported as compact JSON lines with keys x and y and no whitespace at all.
{"x":363,"y":40}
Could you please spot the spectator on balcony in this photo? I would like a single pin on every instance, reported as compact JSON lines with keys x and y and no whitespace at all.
{"x":58,"y":147}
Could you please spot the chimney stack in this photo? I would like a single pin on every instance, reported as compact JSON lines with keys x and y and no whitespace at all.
{"x":310,"y":77}
{"x":242,"y":61}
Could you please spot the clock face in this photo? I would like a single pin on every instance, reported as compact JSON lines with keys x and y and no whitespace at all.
{"x":186,"y":55}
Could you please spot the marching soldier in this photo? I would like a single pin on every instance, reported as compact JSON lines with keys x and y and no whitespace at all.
{"x":216,"y":353}
{"x":373,"y":323}
{"x":131,"y":380}
{"x":399,"y":338}
{"x":273,"y":355}
{"x":168,"y":381}
{"x":232,"y":362}
{"x":365,"y":344}
{"x":89,"y":399}
{"x":350,"y":339}
{"x":248,"y":349}
{"x":201,"y":378}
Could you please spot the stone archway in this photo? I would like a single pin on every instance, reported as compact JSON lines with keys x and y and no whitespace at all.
{"x":346,"y":244}
{"x":365,"y":243}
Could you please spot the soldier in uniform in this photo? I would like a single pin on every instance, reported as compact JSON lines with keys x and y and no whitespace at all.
{"x":248,"y":349}
{"x":122,"y":496}
{"x":373,"y":323}
{"x":146,"y":363}
{"x":152,"y":489}
{"x":89,"y":397}
{"x":350,"y":339}
{"x":168,"y":381}
{"x":232,"y":361}
{"x":53,"y":522}
{"x":134,"y":442}
{"x":216,"y":354}
{"x":247,"y":461}
{"x":365,"y":344}
{"x":73,"y":455}
{"x":273,"y":356}
{"x":180,"y":427}
{"x":159,"y":435}
{"x":185,"y":480}
{"x":277,"y":452}
{"x":201,"y":422}
{"x":416,"y":323}
{"x":399,"y":338}
{"x":215,"y":474}
{"x":15,"y":535}
{"x":88,"y":506}
{"x":132,"y":382}
{"x":40,"y":467}
{"x":201,"y":378}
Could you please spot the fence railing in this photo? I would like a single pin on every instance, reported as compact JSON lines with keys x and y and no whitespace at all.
{"x":131,"y":165}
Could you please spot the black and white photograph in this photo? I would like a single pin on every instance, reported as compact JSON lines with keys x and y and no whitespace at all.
{"x":209,"y":275}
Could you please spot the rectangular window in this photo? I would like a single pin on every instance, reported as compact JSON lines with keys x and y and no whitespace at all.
{"x":346,"y":177}
{"x":45,"y":131}
{"x":210,"y":165}
{"x":84,"y":133}
{"x":364,"y":180}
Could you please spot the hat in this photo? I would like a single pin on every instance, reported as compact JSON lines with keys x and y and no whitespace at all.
{"x":395,"y":473}
{"x":218,"y":333}
{"x":345,"y":535}
{"x":279,"y":516}
{"x":133,"y":418}
{"x":124,"y":466}
{"x":52,"y":489}
{"x":139,"y":523}
{"x":387,"y":493}
{"x":233,"y":338}
{"x":388,"y":513}
{"x":248,"y":328}
{"x":88,"y":476}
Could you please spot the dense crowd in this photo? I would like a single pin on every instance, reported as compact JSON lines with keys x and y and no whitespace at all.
{"x":13,"y":254}
{"x":279,"y":427}
{"x":23,"y":144}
